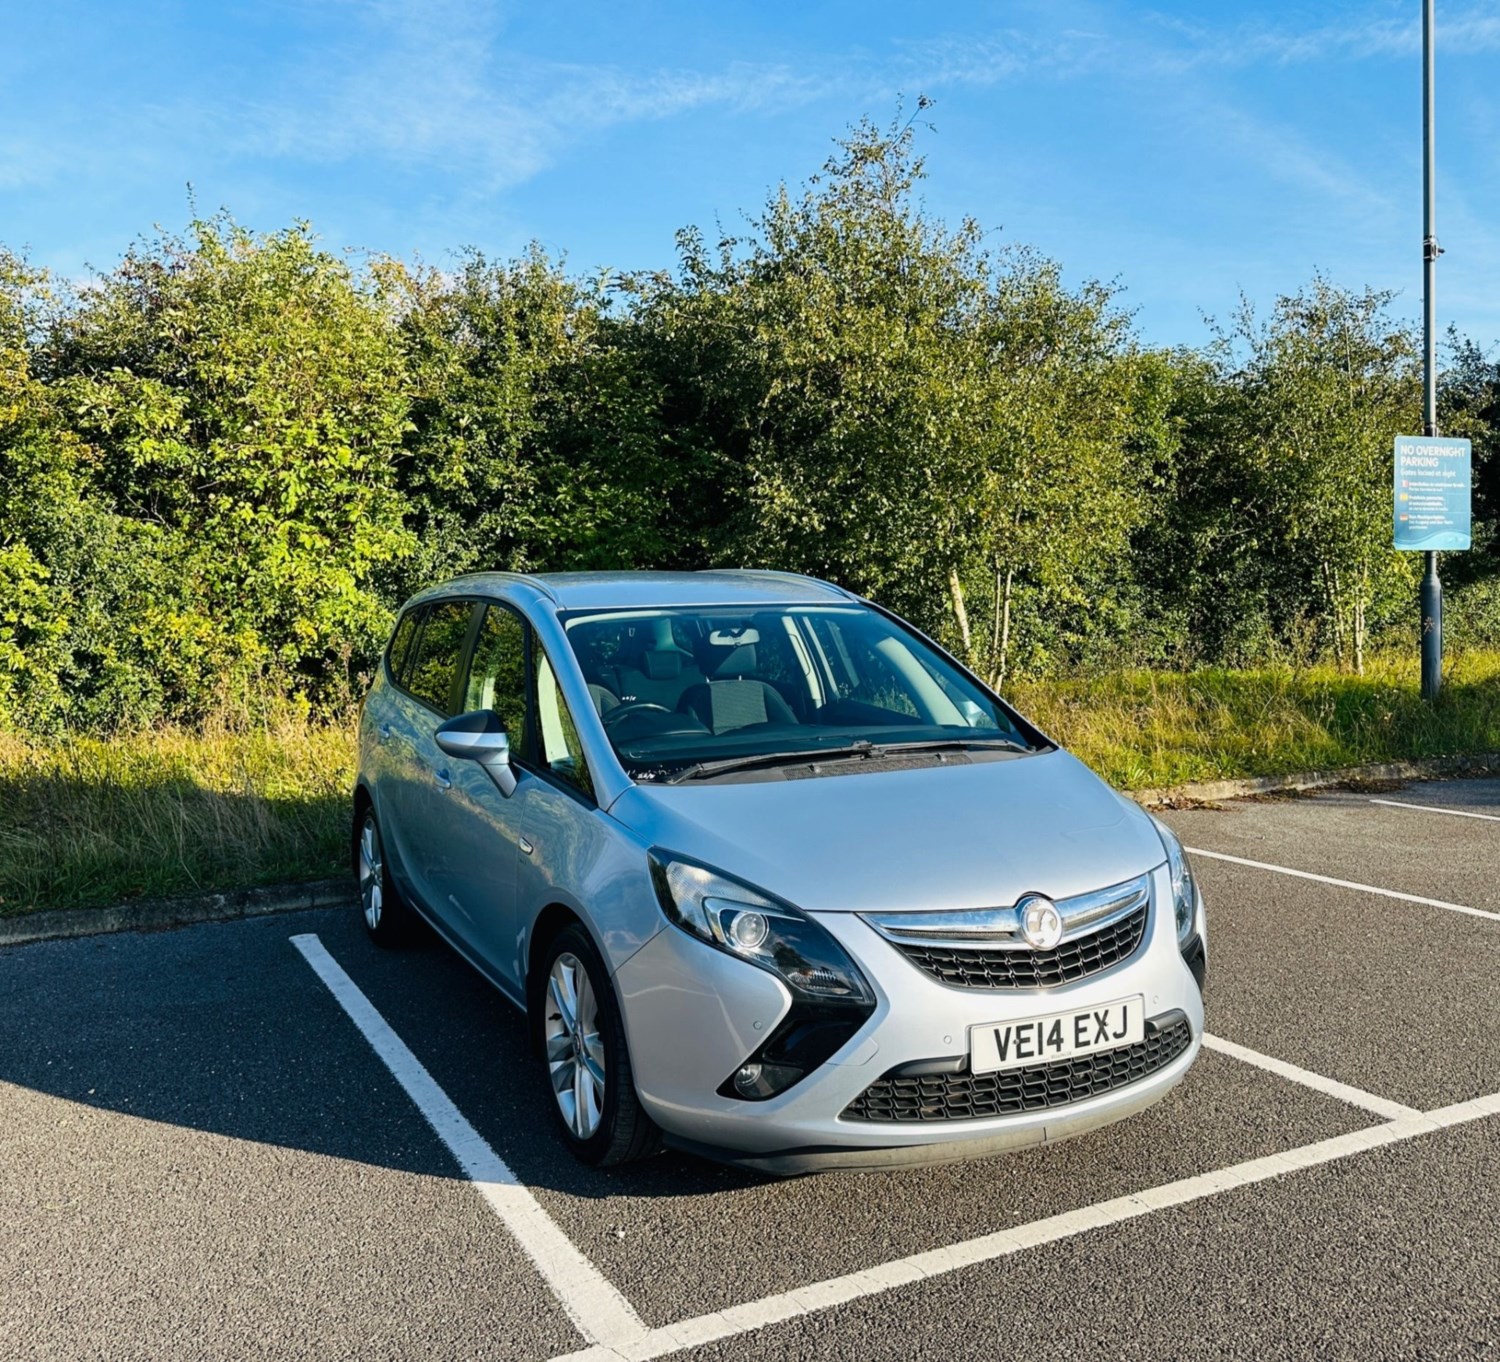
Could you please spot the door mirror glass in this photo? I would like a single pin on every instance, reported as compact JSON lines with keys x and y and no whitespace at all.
{"x":480,"y":736}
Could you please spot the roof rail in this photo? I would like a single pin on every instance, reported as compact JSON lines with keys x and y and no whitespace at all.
{"x":532,"y":581}
{"x":787,"y":576}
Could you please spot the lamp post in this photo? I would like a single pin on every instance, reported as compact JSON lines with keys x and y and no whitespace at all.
{"x":1432,"y":588}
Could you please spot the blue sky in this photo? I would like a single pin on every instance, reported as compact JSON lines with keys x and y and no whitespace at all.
{"x":1189,"y":150}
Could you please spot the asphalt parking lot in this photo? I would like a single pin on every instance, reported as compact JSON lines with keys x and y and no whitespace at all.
{"x":270,"y":1139}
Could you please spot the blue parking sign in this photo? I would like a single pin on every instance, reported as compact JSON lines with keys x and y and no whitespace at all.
{"x":1432,"y":492}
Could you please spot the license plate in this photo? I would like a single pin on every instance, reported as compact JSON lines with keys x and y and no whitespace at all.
{"x":1039,"y":1040}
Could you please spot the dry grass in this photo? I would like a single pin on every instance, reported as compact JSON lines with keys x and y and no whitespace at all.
{"x":1145,"y":729}
{"x":89,"y":822}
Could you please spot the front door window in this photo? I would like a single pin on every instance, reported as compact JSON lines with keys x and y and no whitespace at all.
{"x":561,"y":751}
{"x":497,"y":675}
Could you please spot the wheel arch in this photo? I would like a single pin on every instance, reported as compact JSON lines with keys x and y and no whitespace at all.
{"x":364,"y":800}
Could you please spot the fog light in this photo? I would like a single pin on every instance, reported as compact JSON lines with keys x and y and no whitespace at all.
{"x":759,"y":1081}
{"x":747,"y":931}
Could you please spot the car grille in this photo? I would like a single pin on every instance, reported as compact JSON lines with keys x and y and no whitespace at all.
{"x":973,"y":1097}
{"x":1031,"y":969}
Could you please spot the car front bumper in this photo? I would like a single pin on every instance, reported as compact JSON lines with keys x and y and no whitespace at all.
{"x":693,"y":1015}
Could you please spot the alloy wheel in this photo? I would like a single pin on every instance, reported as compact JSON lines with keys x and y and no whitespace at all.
{"x":575,"y":1049}
{"x":371,"y":873}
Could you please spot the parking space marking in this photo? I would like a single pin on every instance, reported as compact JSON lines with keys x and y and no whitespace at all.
{"x":785,"y":1305}
{"x":599,"y":1312}
{"x":1347,"y":884}
{"x":1433,"y":808}
{"x":1330,"y":1087}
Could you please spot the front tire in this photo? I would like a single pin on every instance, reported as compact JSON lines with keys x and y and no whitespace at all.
{"x":388,"y":920}
{"x":588,"y":1063}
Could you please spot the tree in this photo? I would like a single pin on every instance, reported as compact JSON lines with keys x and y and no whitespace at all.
{"x":35,"y":458}
{"x":1277,"y":531}
{"x":534,"y":442}
{"x":1469,"y":407}
{"x":1329,"y":382}
{"x":1059,"y":460}
{"x":825,"y":377}
{"x":887,"y":404}
{"x":243,"y":397}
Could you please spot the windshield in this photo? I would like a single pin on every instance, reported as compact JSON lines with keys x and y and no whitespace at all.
{"x":680,"y":688}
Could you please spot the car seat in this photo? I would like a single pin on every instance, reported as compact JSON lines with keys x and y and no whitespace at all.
{"x":604,"y":699}
{"x":733,"y":698}
{"x":657,"y":671}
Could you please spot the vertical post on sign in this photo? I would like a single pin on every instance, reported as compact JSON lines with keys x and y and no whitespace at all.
{"x":1432,"y":588}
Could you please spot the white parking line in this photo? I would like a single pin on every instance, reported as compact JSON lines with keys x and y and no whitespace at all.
{"x":1434,"y":808}
{"x":599,"y":1312}
{"x":1348,"y":884}
{"x":614,"y":1332}
{"x":1331,"y":1087}
{"x":785,"y":1305}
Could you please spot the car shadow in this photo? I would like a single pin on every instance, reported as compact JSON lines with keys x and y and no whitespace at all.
{"x":224,"y":1029}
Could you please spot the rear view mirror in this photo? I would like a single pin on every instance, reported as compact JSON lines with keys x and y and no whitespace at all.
{"x":480,"y":736}
{"x":739,"y":637}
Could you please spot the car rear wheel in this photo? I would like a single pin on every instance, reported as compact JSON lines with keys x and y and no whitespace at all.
{"x":588,"y":1064}
{"x":388,"y":920}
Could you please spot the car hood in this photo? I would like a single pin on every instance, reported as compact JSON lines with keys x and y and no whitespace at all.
{"x":950,"y":836}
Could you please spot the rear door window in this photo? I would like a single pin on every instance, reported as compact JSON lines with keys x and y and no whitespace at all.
{"x":432,"y":674}
{"x":396,"y":654}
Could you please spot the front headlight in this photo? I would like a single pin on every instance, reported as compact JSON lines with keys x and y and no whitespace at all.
{"x":757,"y":928}
{"x":1185,"y":901}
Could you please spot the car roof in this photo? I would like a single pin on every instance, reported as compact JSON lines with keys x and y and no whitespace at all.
{"x":622,"y":590}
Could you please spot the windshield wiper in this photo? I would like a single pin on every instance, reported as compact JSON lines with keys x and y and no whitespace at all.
{"x":863,"y":748}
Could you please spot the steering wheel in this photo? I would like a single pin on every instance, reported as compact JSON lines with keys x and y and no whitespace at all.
{"x":634,"y":707}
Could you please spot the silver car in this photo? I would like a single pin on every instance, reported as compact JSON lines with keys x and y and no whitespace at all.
{"x":773,"y":877}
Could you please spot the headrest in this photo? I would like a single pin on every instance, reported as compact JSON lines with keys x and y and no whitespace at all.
{"x":662,"y":664}
{"x":738,"y":662}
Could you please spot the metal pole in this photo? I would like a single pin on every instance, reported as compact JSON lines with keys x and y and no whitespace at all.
{"x":1432,"y":588}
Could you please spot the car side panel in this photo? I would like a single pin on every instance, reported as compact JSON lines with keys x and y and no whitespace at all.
{"x":474,"y":873}
{"x":388,"y":759}
{"x":582,"y":860}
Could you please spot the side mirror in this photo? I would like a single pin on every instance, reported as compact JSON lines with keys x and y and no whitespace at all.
{"x":480,"y":736}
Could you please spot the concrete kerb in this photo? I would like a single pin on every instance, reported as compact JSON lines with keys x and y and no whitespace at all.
{"x":163,"y":914}
{"x":1375,"y":773}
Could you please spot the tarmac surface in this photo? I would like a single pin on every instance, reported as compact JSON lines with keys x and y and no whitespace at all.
{"x":214,"y":1146}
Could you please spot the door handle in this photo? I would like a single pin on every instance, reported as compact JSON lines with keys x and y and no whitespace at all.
{"x":385,"y":732}
{"x":442,"y":779}
{"x":526,"y":846}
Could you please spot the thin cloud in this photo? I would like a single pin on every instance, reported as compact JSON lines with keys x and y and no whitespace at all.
{"x":1355,"y":38}
{"x":1284,"y":154}
{"x":1159,"y":45}
{"x":434,"y":82}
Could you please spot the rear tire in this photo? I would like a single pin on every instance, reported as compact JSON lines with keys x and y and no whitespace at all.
{"x":588,"y":1063}
{"x":387,"y":917}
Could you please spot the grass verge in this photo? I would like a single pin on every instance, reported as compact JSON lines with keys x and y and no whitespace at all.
{"x":89,"y":822}
{"x":1145,"y":730}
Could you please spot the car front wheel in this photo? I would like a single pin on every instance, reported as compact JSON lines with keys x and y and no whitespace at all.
{"x":588,"y":1064}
